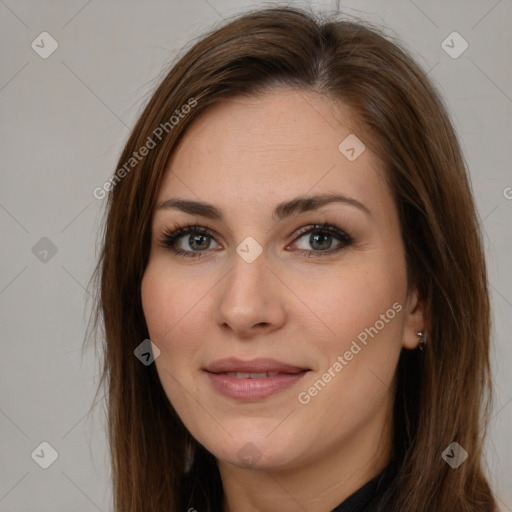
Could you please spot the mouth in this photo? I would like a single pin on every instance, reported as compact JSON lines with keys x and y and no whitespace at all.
{"x":252,"y":380}
{"x":246,"y":375}
{"x":255,"y":367}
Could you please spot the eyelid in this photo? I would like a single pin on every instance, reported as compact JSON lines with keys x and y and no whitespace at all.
{"x":326,"y":227}
{"x":181,"y":230}
{"x":323,"y":226}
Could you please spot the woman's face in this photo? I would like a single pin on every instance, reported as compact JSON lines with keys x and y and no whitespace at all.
{"x":278,"y":340}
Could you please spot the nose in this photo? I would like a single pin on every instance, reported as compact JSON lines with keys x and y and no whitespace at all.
{"x":249,"y":301}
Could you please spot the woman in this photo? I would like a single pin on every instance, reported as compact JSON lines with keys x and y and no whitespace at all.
{"x":292,"y":227}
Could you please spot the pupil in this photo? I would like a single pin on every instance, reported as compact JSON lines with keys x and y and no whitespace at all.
{"x":194,"y":238}
{"x":326,"y":240}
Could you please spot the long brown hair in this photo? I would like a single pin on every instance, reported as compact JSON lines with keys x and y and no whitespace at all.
{"x":444,"y":392}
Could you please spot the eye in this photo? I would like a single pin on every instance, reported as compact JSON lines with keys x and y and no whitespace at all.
{"x":188,"y":241}
{"x":320,"y":237}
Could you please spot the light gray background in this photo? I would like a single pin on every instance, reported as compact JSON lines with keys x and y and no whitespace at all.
{"x":64,"y":122}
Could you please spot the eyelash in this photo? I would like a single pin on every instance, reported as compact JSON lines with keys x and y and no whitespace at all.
{"x":169,"y":238}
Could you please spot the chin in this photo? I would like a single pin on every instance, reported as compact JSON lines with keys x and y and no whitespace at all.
{"x":255,"y":452}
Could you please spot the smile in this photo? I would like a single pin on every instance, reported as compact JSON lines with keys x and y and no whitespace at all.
{"x":252,"y":380}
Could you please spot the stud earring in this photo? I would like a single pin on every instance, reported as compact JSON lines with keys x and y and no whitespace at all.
{"x":422,"y":335}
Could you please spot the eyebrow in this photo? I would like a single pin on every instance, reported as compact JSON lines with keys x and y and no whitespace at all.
{"x":282,"y":210}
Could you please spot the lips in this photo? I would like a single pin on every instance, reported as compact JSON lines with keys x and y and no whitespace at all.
{"x":252,"y":380}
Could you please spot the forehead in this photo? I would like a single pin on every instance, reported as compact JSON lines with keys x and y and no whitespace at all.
{"x":277,"y":145}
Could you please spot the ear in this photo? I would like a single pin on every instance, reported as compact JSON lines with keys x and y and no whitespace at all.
{"x":414,"y":320}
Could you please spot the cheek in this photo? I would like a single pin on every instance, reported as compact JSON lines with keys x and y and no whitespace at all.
{"x":168,"y":309}
{"x":158,"y":303}
{"x":169,"y":302}
{"x":365,"y":315}
{"x":353,"y":299}
{"x":174,"y":307}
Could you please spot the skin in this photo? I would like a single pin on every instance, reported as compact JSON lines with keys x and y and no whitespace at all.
{"x":245,"y":156}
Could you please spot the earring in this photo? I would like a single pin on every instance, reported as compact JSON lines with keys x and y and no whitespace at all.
{"x":422,"y":335}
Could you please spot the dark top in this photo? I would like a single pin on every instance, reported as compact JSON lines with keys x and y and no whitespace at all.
{"x":359,"y":500}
